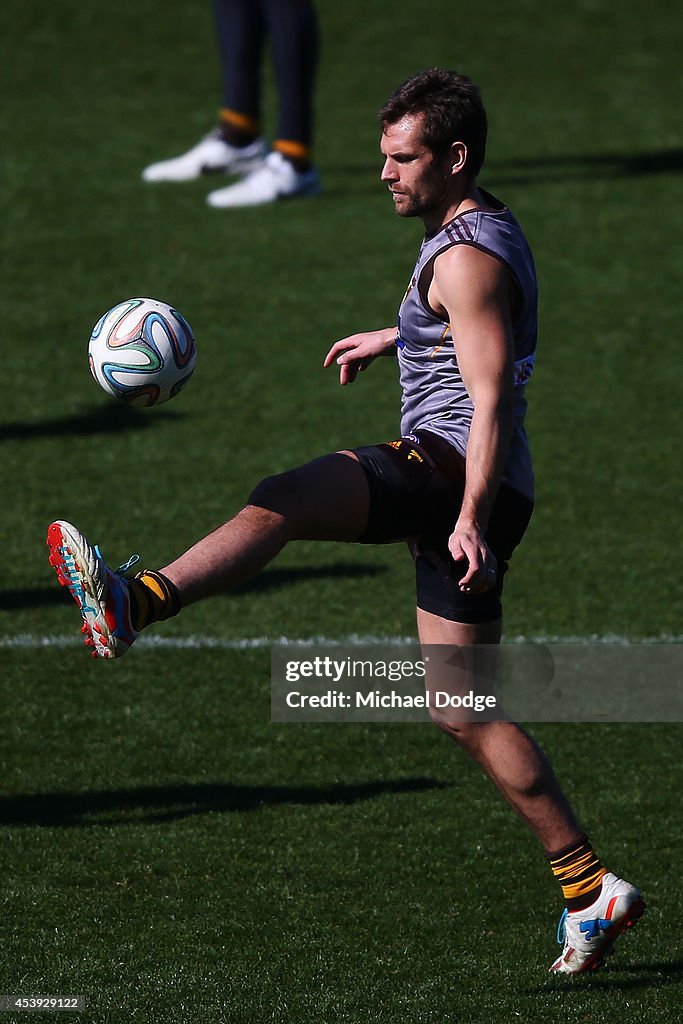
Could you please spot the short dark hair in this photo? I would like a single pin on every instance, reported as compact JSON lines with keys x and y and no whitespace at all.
{"x":451,"y":107}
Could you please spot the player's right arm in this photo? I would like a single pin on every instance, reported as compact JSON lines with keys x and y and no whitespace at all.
{"x":356,"y":352}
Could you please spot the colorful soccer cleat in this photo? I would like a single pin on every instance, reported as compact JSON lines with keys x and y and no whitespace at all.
{"x":589,"y":935}
{"x":101,"y":594}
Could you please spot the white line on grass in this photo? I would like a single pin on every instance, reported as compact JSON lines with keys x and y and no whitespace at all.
{"x":29,"y":641}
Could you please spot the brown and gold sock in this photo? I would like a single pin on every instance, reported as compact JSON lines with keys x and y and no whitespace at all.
{"x":153,"y":598}
{"x":238,"y":129}
{"x":579,"y":872}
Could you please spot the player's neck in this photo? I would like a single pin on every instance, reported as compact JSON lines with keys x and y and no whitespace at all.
{"x":468,"y":198}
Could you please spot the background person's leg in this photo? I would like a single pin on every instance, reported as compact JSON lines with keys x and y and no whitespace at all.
{"x":288,"y":171}
{"x":240,"y":35}
{"x":293,"y":29}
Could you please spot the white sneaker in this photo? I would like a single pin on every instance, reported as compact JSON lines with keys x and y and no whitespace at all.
{"x":589,"y":935}
{"x":276,"y":178}
{"x":212,"y":153}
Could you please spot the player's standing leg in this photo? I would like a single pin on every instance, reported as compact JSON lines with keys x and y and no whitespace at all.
{"x":511,"y":759}
{"x":599,"y":906}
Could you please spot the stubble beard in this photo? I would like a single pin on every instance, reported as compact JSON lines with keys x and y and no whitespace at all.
{"x":412,"y":206}
{"x":422,"y":205}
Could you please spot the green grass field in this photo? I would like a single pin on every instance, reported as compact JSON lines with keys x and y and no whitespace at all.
{"x":166,"y":850}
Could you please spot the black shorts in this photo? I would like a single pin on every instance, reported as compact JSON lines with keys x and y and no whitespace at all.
{"x":416,"y":488}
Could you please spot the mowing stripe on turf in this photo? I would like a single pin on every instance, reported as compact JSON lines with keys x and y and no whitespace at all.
{"x":29,"y":641}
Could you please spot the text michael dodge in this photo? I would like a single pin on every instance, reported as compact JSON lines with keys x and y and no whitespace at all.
{"x":376,"y":699}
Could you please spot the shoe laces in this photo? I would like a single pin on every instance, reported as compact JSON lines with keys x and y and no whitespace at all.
{"x":561,"y":927}
{"x":123,"y":569}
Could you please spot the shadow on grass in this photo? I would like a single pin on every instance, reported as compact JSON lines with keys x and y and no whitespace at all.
{"x":113,"y":418}
{"x":271,"y":579}
{"x":560,"y":168}
{"x":533,"y":170}
{"x":145,"y":805}
{"x":34,"y":597}
{"x":621,"y":977}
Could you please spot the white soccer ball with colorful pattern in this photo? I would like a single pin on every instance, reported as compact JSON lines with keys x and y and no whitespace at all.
{"x":142,"y":352}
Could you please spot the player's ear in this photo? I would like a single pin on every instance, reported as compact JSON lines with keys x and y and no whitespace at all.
{"x":458,"y":157}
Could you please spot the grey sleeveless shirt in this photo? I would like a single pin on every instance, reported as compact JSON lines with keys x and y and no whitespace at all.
{"x":434,"y":395}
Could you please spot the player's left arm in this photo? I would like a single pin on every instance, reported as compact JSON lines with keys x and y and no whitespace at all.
{"x":475,"y":290}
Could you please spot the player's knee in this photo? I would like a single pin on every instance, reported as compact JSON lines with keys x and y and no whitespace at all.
{"x":459,"y":727}
{"x":442,"y":720}
{"x":279,"y":493}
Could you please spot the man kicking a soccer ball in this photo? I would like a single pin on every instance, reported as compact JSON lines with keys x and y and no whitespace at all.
{"x":457,"y":484}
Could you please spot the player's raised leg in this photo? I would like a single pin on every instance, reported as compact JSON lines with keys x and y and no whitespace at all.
{"x":599,"y":906}
{"x":326,"y":499}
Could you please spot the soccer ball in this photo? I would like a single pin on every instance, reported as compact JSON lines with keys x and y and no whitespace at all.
{"x":142,"y":352}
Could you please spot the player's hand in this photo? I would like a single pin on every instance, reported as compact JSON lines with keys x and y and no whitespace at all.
{"x":469,"y":549}
{"x":356,"y":352}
